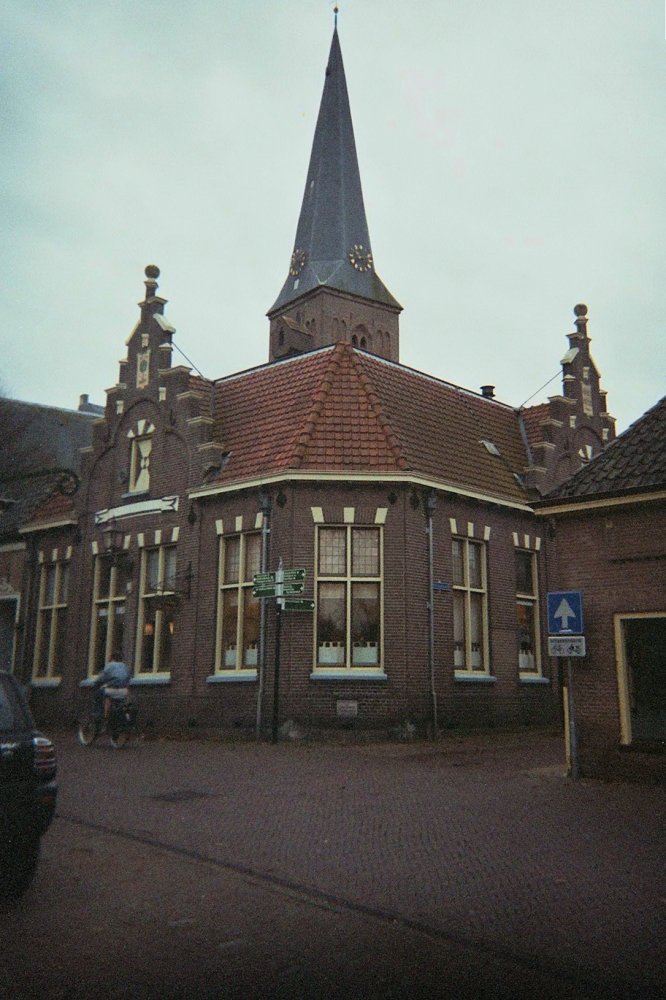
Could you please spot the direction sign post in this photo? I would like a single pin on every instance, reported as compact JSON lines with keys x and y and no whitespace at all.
{"x":299,"y":604}
{"x":565,"y":640}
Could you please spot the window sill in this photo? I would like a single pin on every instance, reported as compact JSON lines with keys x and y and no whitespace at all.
{"x":345,"y":674}
{"x":469,"y":678}
{"x":148,"y":679}
{"x":135,"y":494}
{"x":45,"y":682}
{"x":232,"y":677}
{"x":534,"y":679}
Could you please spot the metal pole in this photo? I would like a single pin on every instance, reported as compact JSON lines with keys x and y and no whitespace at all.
{"x":279,"y":577}
{"x":573,"y":738}
{"x":430,"y":509}
{"x":265,"y":502}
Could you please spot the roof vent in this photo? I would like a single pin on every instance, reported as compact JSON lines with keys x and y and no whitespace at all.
{"x":488,"y":391}
{"x":490,"y":447}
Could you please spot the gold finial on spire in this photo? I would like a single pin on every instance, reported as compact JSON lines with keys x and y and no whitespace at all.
{"x":335,"y":11}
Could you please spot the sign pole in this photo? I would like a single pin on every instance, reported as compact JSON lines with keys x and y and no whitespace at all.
{"x":279,"y":577}
{"x":276,"y":675}
{"x":573,"y":737}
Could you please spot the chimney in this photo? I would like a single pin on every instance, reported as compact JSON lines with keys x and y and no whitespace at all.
{"x":488,"y":391}
{"x":83,"y":401}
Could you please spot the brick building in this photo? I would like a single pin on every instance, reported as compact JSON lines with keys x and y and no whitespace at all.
{"x":406,"y":500}
{"x":608,"y":528}
{"x":39,"y":455}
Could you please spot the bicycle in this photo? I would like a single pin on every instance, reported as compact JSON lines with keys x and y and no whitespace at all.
{"x":119,"y":720}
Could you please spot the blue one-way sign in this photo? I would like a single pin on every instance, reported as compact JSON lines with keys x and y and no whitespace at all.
{"x":565,"y":613}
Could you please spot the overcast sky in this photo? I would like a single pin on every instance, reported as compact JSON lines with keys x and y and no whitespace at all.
{"x":512,"y":156}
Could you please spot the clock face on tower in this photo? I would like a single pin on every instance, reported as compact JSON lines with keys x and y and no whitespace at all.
{"x":360,"y":257}
{"x":298,"y":259}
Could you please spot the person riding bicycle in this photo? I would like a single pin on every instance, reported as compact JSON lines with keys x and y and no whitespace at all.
{"x":114,"y":676}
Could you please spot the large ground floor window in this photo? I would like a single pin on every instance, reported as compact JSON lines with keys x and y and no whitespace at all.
{"x":237,"y":646}
{"x":349,"y":598}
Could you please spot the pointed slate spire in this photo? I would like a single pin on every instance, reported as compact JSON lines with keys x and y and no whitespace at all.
{"x":332,"y":246}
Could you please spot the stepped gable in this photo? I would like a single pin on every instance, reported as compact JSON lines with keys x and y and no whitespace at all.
{"x":634,"y":462}
{"x":343,"y":410}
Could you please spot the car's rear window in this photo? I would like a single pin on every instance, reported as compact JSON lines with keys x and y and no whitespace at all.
{"x":13,"y":715}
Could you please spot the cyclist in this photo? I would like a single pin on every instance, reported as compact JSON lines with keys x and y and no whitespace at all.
{"x":115,"y":675}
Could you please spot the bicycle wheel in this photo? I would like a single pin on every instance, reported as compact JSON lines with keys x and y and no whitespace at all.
{"x":88,"y":731}
{"x":119,"y":738}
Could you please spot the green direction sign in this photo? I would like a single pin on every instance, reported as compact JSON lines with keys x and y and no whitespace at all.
{"x":299,"y":604}
{"x":292,"y":588}
{"x":263,"y":591}
{"x":263,"y":579}
{"x":289,"y":575}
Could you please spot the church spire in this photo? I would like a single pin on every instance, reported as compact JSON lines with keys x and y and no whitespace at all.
{"x":332,"y":248}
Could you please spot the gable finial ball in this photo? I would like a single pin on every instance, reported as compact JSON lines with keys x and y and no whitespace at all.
{"x":152,"y":271}
{"x":580,"y":309}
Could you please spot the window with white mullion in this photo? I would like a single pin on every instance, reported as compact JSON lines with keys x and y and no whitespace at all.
{"x":107,"y":632}
{"x":48,"y":660}
{"x":470,"y":626}
{"x":238,"y":610}
{"x":157,"y":617}
{"x":348,"y":589}
{"x":527,"y":613}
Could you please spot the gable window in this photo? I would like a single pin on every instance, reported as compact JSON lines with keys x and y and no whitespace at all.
{"x":529,"y":661}
{"x":157,"y":610}
{"x":348,"y":597}
{"x":238,"y":611}
{"x":470,"y":607}
{"x":49,"y":659}
{"x":140,"y":464}
{"x":141,"y":446}
{"x":107,"y":634}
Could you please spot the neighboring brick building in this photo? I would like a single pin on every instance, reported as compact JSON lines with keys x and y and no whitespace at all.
{"x":406,"y":500}
{"x":39,"y":455}
{"x":608,"y":528}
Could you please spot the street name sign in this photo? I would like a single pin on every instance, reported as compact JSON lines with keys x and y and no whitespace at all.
{"x":572,"y":645}
{"x":565,"y":613}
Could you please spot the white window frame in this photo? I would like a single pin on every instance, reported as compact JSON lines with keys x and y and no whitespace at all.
{"x":162,"y":620}
{"x":140,"y":452}
{"x":467,"y":668}
{"x":348,"y":579}
{"x":530,"y":600}
{"x":51,"y":612}
{"x":243,"y":589}
{"x":111,"y":603}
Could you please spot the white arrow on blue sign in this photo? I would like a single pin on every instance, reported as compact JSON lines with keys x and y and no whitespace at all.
{"x":565,"y":613}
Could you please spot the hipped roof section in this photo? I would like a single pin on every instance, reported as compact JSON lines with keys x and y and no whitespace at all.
{"x":341,"y":410}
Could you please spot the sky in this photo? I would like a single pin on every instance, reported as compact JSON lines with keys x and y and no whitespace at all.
{"x":512,"y":156}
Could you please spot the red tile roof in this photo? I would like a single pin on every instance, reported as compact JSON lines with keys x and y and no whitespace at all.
{"x":533,"y":418}
{"x":56,"y":508}
{"x":343,"y":410}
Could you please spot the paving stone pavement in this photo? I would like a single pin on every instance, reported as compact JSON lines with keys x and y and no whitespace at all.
{"x":479,"y":839}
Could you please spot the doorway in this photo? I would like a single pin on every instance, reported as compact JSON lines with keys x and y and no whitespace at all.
{"x":643,"y":652}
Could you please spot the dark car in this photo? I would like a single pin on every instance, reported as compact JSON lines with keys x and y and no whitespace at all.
{"x":27,"y":789}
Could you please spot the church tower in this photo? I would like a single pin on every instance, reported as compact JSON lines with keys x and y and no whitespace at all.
{"x":332,"y":292}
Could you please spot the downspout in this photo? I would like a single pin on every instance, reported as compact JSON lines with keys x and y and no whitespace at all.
{"x":265,"y":503}
{"x":430,"y":510}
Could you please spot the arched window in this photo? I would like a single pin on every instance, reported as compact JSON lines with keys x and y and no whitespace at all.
{"x":141,"y":446}
{"x":354,"y":340}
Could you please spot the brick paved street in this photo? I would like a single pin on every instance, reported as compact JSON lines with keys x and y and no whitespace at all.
{"x":474,"y":842}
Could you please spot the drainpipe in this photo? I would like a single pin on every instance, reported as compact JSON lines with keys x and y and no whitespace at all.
{"x":265,"y":503}
{"x":430,"y":510}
